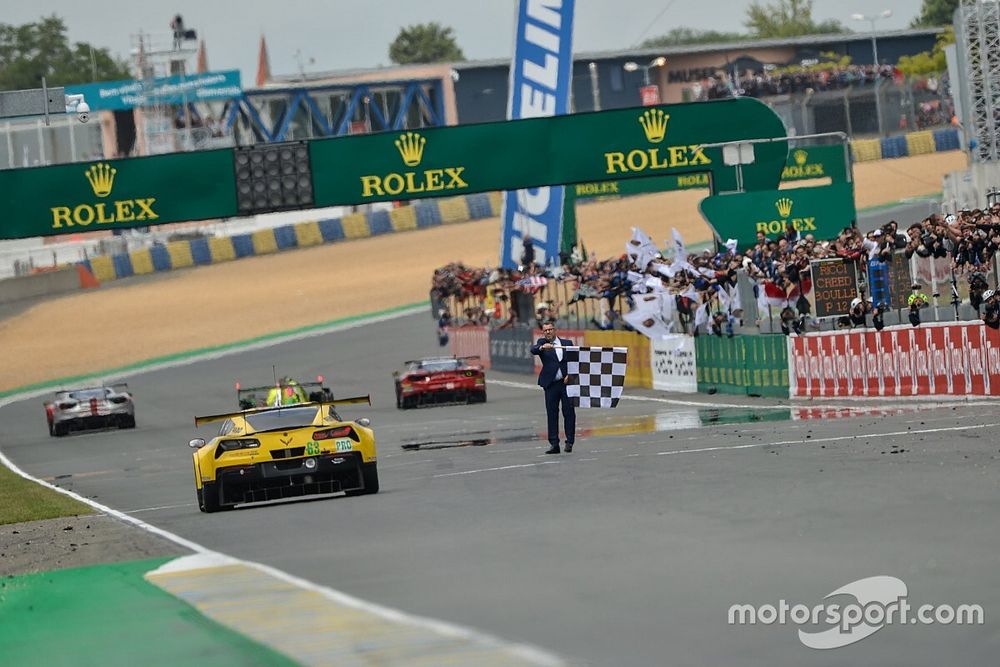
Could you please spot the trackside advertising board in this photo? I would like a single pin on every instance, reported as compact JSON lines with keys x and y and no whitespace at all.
{"x":958,"y":359}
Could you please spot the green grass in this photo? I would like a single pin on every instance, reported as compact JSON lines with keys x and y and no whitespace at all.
{"x":109,"y":615}
{"x":21,"y":500}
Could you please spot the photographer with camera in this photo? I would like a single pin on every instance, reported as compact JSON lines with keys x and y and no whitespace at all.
{"x":977,"y":288}
{"x":916,"y":301}
{"x":991,"y":309}
{"x":859,"y":311}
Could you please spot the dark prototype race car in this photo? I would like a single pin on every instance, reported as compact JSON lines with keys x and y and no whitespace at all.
{"x":286,"y":391}
{"x":94,"y":407}
{"x":440,"y":381}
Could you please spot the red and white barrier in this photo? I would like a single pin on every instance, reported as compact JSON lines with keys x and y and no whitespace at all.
{"x":960,"y":359}
{"x":471,"y":341}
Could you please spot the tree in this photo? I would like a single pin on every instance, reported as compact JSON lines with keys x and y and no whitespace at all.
{"x":681,"y":36}
{"x":787,"y":18}
{"x":425,"y":43}
{"x":33,"y":50}
{"x":935,"y":13}
{"x":928,"y":62}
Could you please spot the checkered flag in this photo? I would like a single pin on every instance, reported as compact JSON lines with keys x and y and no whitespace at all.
{"x":595,"y":376}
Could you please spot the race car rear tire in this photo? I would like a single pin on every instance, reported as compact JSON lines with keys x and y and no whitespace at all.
{"x":208,"y":499}
{"x":52,"y":431}
{"x":399,"y":398}
{"x":369,"y":473}
{"x":127,"y":421}
{"x":59,"y":430}
{"x":409,"y":402}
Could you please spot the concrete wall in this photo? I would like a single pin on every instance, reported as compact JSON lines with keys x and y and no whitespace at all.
{"x":48,"y":283}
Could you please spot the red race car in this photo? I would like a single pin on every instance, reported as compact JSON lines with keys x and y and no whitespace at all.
{"x":440,"y":381}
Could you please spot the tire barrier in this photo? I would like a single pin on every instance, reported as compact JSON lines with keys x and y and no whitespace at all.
{"x":943,"y":359}
{"x":211,"y":250}
{"x":903,"y":145}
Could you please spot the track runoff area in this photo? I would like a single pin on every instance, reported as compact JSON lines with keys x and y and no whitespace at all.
{"x":681,"y":530}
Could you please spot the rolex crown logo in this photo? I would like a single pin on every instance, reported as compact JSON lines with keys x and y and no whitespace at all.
{"x":654,"y":124}
{"x":102,"y":178}
{"x":411,"y":148}
{"x":801,"y":157}
{"x":784,"y":206}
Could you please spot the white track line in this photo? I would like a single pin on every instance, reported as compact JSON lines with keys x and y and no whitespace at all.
{"x":524,"y":651}
{"x":161,"y":507}
{"x":473,"y":472}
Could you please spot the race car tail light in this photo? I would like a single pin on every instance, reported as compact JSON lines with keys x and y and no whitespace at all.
{"x":239,"y":443}
{"x":93,"y":405}
{"x":339,"y":432}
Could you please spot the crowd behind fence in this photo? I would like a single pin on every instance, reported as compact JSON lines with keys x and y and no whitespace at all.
{"x":858,"y":100}
{"x":939,"y":268}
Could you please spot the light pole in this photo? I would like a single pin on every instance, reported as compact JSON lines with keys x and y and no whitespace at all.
{"x":650,"y":95}
{"x":595,"y":86}
{"x":878,"y":77}
{"x":632,"y":66}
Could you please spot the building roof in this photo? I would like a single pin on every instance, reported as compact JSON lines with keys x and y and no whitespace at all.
{"x":398,"y":72}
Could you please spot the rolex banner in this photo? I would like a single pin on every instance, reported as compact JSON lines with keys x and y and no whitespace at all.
{"x":821,"y":211}
{"x":117,"y":194}
{"x":541,"y":75}
{"x":618,"y":145}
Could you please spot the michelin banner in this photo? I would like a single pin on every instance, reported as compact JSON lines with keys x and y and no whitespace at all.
{"x":540,"y":80}
{"x":673,"y":361}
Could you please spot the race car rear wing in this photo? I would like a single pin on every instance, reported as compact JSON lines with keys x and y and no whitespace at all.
{"x":207,"y":419}
{"x":116,"y":386}
{"x":420,"y":361}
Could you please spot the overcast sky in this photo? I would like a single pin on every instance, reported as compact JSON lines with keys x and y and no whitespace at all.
{"x":339,"y":34}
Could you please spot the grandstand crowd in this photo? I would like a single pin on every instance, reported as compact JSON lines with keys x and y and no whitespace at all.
{"x":645,"y":287}
{"x":778,"y":82}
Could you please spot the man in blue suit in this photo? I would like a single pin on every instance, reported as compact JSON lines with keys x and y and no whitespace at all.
{"x":552,"y":379}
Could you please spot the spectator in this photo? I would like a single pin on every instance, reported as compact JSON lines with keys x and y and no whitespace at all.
{"x":528,"y":255}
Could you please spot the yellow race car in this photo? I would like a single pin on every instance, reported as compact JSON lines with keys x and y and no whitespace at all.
{"x":284,"y":452}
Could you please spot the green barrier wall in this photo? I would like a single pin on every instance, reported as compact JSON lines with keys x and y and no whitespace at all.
{"x":746,"y":365}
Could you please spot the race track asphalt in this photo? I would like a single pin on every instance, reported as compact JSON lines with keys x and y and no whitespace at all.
{"x":630,"y":551}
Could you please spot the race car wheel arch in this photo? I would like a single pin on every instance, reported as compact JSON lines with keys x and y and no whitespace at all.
{"x":369,"y":473}
{"x":126,"y":421}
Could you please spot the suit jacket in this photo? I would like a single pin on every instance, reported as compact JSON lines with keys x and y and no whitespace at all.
{"x":550,"y":361}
